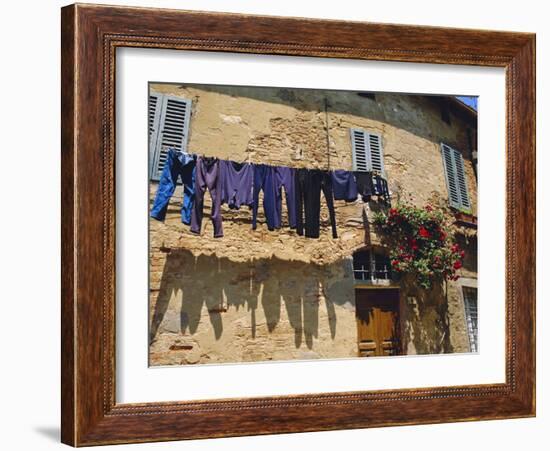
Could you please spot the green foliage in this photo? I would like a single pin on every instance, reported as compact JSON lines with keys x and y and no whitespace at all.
{"x":419,"y":243}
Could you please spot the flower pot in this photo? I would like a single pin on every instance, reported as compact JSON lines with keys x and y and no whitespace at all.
{"x":466,"y":219}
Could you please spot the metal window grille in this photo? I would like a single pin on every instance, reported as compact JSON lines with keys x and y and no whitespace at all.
{"x":470,"y":305}
{"x":371,"y":266}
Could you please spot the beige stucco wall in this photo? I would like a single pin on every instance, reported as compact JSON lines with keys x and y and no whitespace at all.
{"x":260,"y":295}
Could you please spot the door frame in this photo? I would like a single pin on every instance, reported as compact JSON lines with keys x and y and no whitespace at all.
{"x":389,"y":286}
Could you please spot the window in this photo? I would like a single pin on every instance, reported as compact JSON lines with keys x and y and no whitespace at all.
{"x":369,"y":265}
{"x":367,"y":152}
{"x":470,"y":306}
{"x":453,"y":165}
{"x":367,"y":95}
{"x":168,"y":129}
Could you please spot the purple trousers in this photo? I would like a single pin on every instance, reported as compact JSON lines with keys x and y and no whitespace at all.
{"x":284,"y":178}
{"x":207,"y":177}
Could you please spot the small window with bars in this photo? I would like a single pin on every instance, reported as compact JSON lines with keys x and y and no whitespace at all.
{"x":169,"y":118}
{"x":455,"y":176}
{"x":371,"y":266}
{"x":470,"y":306}
{"x":367,"y":151}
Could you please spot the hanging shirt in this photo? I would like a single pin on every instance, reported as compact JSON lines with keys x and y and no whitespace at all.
{"x":364,"y":184}
{"x":284,"y":178}
{"x":207,"y":176}
{"x":265,"y":180}
{"x":236,"y":184}
{"x":178,"y":164}
{"x":309,"y":183}
{"x":344,"y":185}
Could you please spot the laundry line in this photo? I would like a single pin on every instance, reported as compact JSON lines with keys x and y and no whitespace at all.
{"x":240,"y":183}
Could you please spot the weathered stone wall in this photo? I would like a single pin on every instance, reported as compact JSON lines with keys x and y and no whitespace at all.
{"x":260,"y":295}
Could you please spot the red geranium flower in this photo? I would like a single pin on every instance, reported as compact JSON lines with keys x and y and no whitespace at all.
{"x":457,"y":264}
{"x":423,"y":232}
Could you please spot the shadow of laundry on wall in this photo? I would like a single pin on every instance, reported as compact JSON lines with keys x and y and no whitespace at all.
{"x":210,"y":284}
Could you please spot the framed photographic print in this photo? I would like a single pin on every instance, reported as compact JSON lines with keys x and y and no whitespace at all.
{"x":279,"y":225}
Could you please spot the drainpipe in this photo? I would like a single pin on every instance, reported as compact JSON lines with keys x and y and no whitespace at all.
{"x":473,"y":149}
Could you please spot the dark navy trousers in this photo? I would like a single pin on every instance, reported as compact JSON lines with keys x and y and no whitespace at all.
{"x":265,"y":180}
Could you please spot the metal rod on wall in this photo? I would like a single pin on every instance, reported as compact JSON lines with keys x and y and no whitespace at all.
{"x":328,"y":137}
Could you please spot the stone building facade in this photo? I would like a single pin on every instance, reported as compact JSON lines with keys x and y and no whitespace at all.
{"x":257,"y":295}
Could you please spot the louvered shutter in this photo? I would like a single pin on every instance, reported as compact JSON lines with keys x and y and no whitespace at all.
{"x":359,"y":148}
{"x":367,"y":152}
{"x":173,"y":130}
{"x":453,"y":165}
{"x":154,"y":113}
{"x":376,"y":153}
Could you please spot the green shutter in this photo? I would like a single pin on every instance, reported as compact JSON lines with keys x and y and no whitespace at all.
{"x":455,"y":176}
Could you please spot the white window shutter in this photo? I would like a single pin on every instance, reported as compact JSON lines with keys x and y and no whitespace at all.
{"x":457,"y":187}
{"x":376,"y":153}
{"x":173,"y":131}
{"x":154,"y":114}
{"x":359,"y":146}
{"x":367,"y":151}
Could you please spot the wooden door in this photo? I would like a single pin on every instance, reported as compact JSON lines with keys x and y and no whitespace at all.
{"x":377,"y":313}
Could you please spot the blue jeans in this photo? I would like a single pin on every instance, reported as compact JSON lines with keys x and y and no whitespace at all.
{"x":178,"y":164}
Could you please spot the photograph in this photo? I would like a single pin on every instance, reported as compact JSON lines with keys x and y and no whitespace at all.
{"x":256,"y":225}
{"x":288,"y":224}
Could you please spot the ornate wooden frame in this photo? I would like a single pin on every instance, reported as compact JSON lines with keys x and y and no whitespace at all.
{"x":90,"y":36}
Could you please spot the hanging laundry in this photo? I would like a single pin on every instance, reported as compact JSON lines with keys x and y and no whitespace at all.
{"x":207,"y":176}
{"x":265,"y":180}
{"x":309,"y":183}
{"x":364,"y":184}
{"x":344,"y":185}
{"x":380,"y":188}
{"x":178,"y":164}
{"x":237,"y":181}
{"x":284,"y":178}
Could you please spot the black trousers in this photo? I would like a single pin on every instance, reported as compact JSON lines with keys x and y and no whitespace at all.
{"x":308,"y":185}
